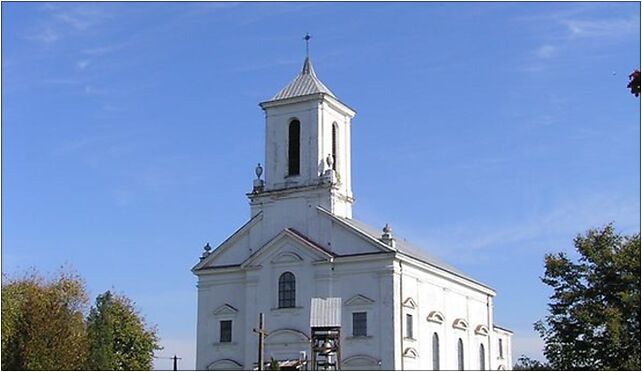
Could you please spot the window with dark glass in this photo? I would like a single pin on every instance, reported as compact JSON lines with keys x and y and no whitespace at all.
{"x":501,"y":349}
{"x":409,"y":325}
{"x":226,"y":331}
{"x":482,"y":357}
{"x":287,"y":290}
{"x":360,"y":324}
{"x":460,"y":355}
{"x":435,"y":352}
{"x":294,"y":140}
{"x":334,"y":146}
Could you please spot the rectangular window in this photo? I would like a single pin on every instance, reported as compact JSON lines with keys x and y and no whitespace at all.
{"x":226,"y":331}
{"x":409,"y":326}
{"x":501,"y":349}
{"x":360,"y":324}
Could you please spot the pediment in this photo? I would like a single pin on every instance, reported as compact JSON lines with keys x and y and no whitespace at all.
{"x":288,"y":246}
{"x":481,"y":330}
{"x":410,"y":303}
{"x":233,"y":250}
{"x":225,"y":309}
{"x":286,"y":257}
{"x":359,"y":300}
{"x":460,"y":323}
{"x":436,"y":317}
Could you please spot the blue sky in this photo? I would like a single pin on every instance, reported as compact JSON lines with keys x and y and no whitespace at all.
{"x":489,"y":134}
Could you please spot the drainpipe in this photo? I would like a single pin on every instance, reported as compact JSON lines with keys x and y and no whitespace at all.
{"x":490,"y":333}
{"x":401,"y":309}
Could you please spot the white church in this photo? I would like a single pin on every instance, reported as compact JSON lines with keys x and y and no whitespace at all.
{"x":400,"y":307}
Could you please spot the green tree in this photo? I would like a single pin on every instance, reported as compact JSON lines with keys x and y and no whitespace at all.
{"x":274,"y":365}
{"x":594,"y":312}
{"x":525,"y":363}
{"x":42,"y":322}
{"x":118,"y":337}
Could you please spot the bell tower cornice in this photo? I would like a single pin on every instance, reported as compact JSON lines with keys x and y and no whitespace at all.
{"x":332,"y":101}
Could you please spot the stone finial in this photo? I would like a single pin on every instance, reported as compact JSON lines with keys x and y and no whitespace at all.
{"x":386,"y":237}
{"x":258,"y":182}
{"x":329,"y":160}
{"x":258,"y":170}
{"x":206,"y":250}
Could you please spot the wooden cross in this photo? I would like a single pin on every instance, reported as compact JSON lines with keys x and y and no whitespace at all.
{"x":262,"y":334}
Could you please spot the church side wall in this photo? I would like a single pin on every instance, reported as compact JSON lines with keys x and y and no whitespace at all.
{"x":503,"y":359}
{"x":425,"y":294}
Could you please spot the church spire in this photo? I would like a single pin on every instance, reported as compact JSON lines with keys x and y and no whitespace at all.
{"x":307,"y":68}
{"x":307,"y":64}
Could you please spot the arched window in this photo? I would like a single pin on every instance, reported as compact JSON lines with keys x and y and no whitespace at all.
{"x":460,"y":355}
{"x":435,"y":352}
{"x":335,"y":129}
{"x":482,"y":357}
{"x":287,"y":290}
{"x":294,"y":139}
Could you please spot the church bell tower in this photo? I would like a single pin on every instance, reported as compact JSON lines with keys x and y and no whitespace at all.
{"x":307,"y":152}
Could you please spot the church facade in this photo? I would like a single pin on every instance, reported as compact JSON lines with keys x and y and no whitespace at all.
{"x":400,"y":307}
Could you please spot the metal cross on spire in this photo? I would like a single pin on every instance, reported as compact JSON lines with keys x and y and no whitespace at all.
{"x":307,"y":44}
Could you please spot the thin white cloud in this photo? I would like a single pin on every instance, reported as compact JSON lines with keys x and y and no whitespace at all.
{"x":64,"y":20}
{"x":80,"y":17}
{"x":83,"y":64}
{"x":92,"y":90}
{"x":62,"y":81}
{"x":547,"y":232}
{"x":104,"y":49}
{"x":46,"y":35}
{"x":565,"y":28}
{"x":545,"y":51}
{"x":601,"y":27}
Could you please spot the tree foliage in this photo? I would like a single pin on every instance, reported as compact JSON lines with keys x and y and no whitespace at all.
{"x":594,"y":312}
{"x":118,"y":336}
{"x":42,"y":323}
{"x":634,"y":83}
{"x":525,"y":363}
{"x":44,"y":327}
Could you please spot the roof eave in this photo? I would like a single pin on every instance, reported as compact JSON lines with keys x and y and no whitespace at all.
{"x":309,"y":97}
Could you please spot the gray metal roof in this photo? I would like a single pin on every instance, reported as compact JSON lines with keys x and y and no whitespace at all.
{"x":325,"y":312}
{"x":409,"y":249}
{"x":305,"y":83}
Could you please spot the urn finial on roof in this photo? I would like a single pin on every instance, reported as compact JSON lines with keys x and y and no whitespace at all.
{"x":386,"y":237}
{"x":206,"y":250}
